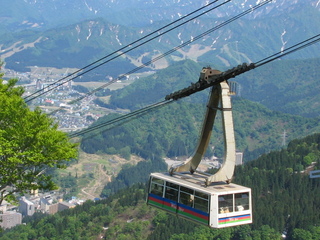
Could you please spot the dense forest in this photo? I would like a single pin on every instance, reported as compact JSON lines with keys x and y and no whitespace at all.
{"x":289,"y":86}
{"x":173,"y":131}
{"x":155,"y":87}
{"x":285,"y":201}
{"x":285,"y":197}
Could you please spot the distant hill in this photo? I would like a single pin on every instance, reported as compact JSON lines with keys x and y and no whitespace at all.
{"x":155,"y":87}
{"x":173,"y":131}
{"x":289,"y":86}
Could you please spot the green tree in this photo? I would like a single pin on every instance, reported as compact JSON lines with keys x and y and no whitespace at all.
{"x":30,"y":144}
{"x":301,"y":234}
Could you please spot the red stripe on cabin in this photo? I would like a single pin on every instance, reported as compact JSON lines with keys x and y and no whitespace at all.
{"x":169,"y":204}
{"x":193,"y":213}
{"x":155,"y":200}
{"x":180,"y":208}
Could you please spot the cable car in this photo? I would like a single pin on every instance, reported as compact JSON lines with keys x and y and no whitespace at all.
{"x":198,"y":196}
{"x":314,"y":174}
{"x":218,"y":205}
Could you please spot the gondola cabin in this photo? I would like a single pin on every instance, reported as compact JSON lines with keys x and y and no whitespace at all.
{"x":207,"y":199}
{"x":218,"y":205}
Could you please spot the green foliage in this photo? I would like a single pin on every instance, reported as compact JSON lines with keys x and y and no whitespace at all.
{"x":125,"y":152}
{"x":155,"y":87}
{"x":158,"y":133}
{"x":80,"y":88}
{"x":283,"y":201}
{"x":173,"y":131}
{"x":258,"y":129}
{"x":86,"y":221}
{"x":160,"y":218}
{"x":281,"y":187}
{"x":301,"y":234}
{"x":286,"y":86}
{"x":172,"y":225}
{"x":68,"y":185}
{"x":30,"y":145}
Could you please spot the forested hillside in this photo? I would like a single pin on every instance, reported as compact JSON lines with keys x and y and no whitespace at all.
{"x":173,"y":131}
{"x":289,"y":86}
{"x":154,"y":88}
{"x":285,"y":197}
{"x":285,"y":201}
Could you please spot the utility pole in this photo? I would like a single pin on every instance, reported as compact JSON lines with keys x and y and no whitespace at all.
{"x":284,"y":138}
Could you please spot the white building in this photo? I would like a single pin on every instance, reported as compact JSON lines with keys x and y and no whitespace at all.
{"x":10,"y":219}
{"x":26,"y":207}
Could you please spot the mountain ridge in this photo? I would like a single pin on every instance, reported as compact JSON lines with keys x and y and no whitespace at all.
{"x":54,"y":12}
{"x":229,"y":45}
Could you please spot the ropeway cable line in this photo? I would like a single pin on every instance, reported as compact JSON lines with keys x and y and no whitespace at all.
{"x":68,"y":78}
{"x":231,"y":73}
{"x":294,"y":48}
{"x":166,"y":53}
{"x":122,"y":118}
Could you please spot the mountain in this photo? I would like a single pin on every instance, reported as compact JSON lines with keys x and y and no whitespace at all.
{"x":53,"y":13}
{"x":66,"y":41}
{"x":72,"y":46}
{"x":173,"y":131}
{"x":288,"y":86}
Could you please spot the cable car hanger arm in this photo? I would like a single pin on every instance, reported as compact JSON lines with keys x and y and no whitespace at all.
{"x":208,"y":78}
{"x":219,"y":96}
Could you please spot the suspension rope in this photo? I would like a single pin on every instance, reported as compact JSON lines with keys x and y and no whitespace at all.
{"x":164,"y":54}
{"x":55,"y":84}
{"x":122,"y":118}
{"x":292,"y":49}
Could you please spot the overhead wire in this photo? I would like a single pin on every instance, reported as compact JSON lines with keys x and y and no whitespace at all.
{"x":289,"y":50}
{"x":143,"y":110}
{"x":55,"y":84}
{"x":170,"y":51}
{"x":292,"y":49}
{"x":122,"y":118}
